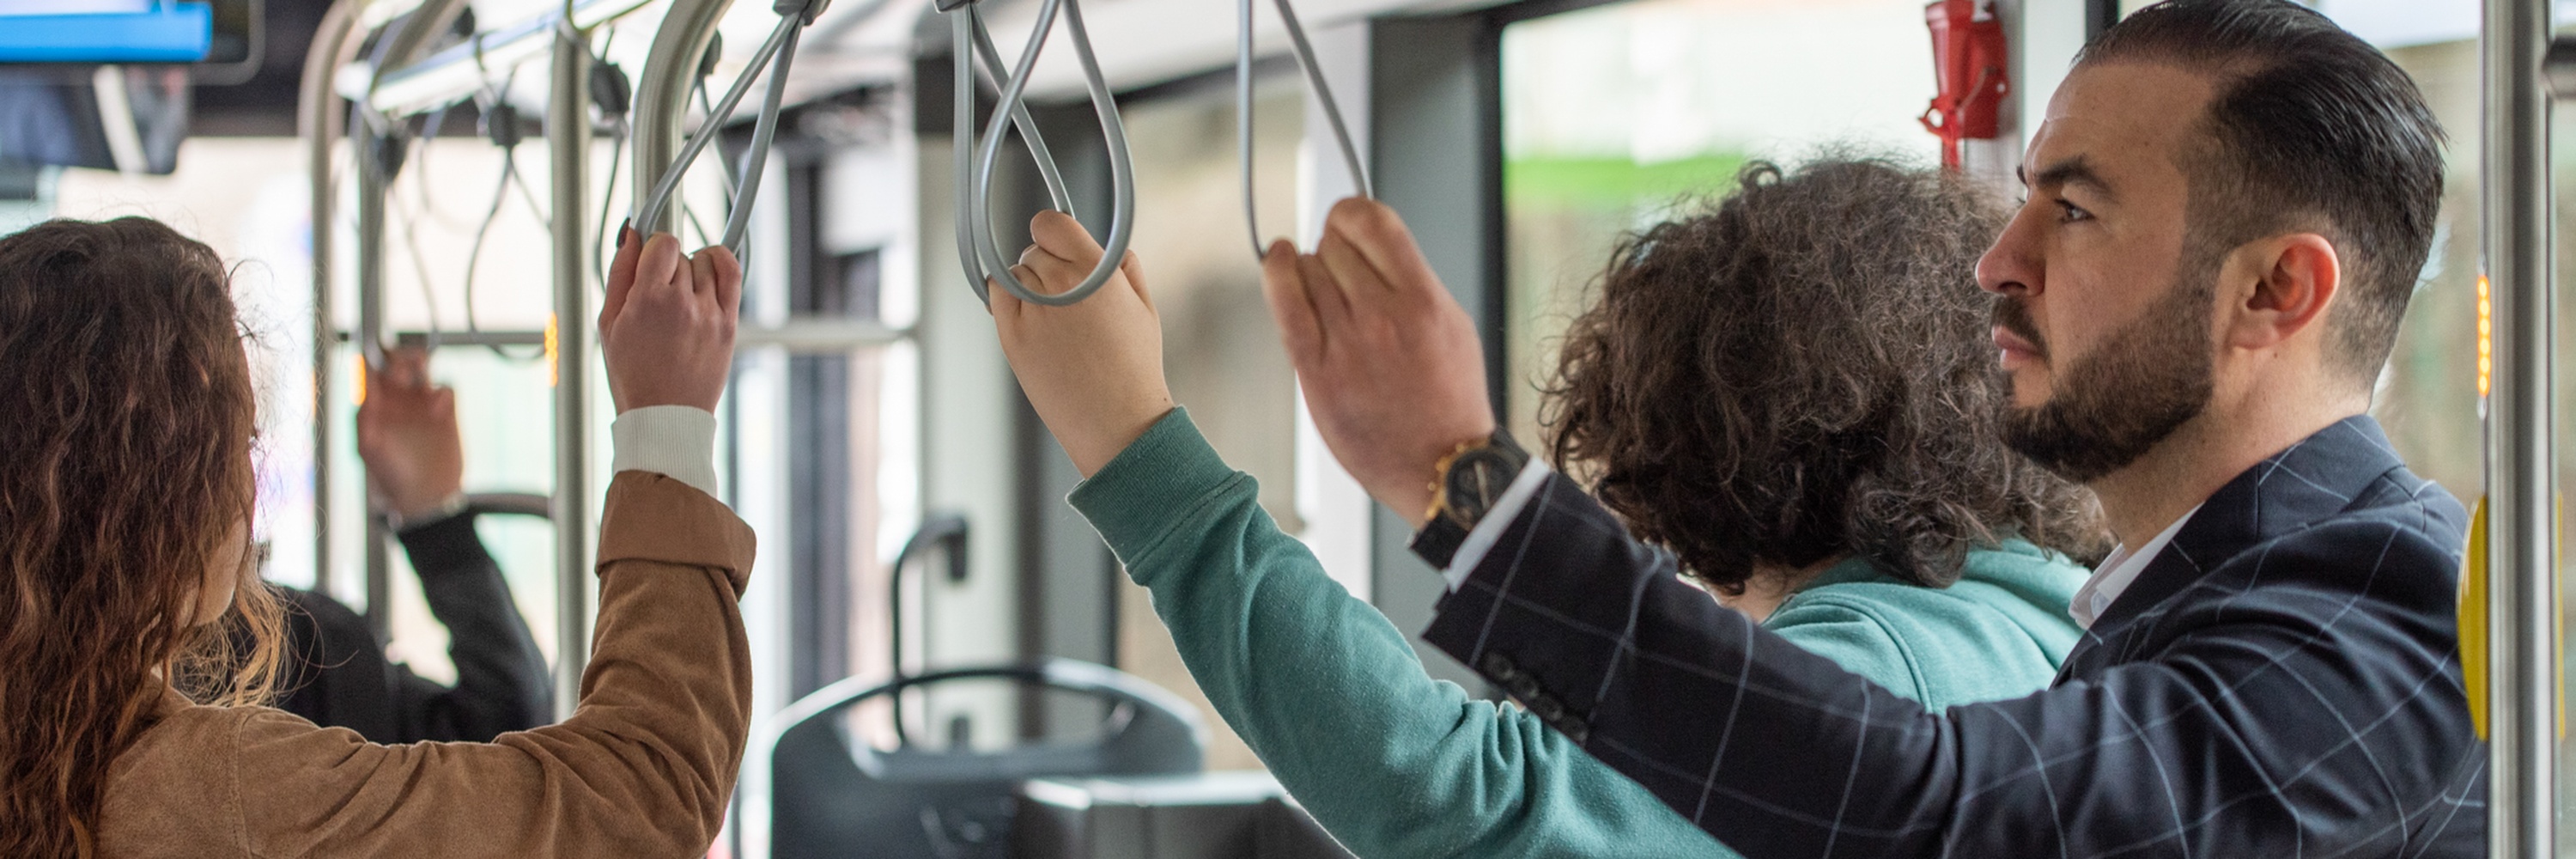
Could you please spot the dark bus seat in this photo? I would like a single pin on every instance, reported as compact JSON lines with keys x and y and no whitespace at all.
{"x":811,"y":790}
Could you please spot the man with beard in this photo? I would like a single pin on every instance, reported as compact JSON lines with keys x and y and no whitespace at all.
{"x":2230,"y":202}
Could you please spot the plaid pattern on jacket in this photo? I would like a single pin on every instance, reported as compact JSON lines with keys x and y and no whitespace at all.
{"x":2283,"y":680}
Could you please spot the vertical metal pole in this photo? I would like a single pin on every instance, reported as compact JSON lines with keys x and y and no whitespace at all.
{"x":2522,"y":588}
{"x":568,"y":142}
{"x":319,"y":117}
{"x":374,"y":182}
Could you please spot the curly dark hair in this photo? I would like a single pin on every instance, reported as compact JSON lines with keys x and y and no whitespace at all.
{"x":1803,"y":371}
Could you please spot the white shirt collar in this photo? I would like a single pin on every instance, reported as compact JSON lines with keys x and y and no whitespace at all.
{"x":2117,"y":572}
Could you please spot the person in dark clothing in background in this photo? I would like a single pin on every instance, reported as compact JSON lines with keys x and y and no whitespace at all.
{"x":339,"y":675}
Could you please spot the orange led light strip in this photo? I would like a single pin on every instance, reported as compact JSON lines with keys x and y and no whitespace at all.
{"x":2486,"y":338}
{"x":555,"y":372}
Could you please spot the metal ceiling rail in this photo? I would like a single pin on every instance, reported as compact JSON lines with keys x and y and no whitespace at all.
{"x":457,"y":73}
{"x":2521,"y":572}
{"x":794,"y":335}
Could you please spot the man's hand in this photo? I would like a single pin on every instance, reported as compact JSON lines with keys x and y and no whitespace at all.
{"x":668,"y":324}
{"x":1093,"y":370}
{"x":1389,"y":362}
{"x":407,"y":436}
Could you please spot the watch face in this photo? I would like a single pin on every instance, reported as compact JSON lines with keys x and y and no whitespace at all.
{"x":1476,"y":480}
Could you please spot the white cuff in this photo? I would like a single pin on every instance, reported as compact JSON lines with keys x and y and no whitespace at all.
{"x":678,"y":441}
{"x":1489,"y":530}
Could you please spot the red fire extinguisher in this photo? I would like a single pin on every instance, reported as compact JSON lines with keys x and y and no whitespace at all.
{"x":1968,"y":58}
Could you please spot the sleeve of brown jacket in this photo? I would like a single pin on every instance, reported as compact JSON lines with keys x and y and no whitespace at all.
{"x":642,"y":769}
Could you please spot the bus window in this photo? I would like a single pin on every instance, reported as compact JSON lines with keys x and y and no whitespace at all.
{"x":1613,"y":116}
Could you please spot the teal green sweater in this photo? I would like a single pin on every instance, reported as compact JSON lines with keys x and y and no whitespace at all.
{"x":1396,"y":764}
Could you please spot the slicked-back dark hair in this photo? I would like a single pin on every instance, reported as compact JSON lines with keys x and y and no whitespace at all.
{"x":2311,"y":129}
{"x":1801,"y":371}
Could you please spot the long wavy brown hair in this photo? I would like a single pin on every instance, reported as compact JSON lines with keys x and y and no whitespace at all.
{"x":125,"y":478}
{"x":1803,"y":371}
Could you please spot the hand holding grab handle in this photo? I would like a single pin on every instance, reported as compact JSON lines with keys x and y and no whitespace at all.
{"x":1094,"y":370}
{"x":667,"y":327}
{"x":407,"y":436}
{"x":1390,"y":364}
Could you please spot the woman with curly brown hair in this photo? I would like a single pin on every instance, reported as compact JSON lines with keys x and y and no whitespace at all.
{"x":133,"y":726}
{"x":1790,"y":390}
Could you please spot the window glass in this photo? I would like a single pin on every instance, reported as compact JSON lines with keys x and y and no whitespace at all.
{"x":1616,"y":117}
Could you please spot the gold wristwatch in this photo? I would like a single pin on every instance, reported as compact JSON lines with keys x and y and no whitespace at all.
{"x":1464,"y":487}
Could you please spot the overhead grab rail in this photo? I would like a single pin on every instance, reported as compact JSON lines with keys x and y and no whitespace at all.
{"x":778,"y":55}
{"x":458,"y":72}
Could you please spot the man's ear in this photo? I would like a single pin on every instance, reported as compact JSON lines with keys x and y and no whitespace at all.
{"x":2295,"y":278}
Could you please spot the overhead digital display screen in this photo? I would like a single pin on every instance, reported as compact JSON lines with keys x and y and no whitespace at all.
{"x":105,"y":31}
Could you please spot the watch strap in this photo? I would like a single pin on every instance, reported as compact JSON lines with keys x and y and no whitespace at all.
{"x":1438,"y":541}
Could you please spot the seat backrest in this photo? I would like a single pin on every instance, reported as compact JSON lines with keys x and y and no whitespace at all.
{"x":814,"y":791}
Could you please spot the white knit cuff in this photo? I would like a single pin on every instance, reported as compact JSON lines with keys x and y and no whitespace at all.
{"x":679,"y":441}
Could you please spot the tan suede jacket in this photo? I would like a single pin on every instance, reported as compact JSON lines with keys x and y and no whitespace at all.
{"x":643,"y":769}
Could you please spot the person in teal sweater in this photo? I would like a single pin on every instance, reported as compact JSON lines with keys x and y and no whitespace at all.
{"x":1787,"y":390}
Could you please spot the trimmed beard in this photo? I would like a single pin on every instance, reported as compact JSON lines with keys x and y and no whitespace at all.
{"x":2110,"y":407}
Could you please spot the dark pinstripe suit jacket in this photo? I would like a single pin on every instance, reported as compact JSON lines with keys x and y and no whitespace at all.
{"x":2282,"y":681}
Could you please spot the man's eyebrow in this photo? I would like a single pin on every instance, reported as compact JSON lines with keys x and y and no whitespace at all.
{"x":2072,"y":171}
